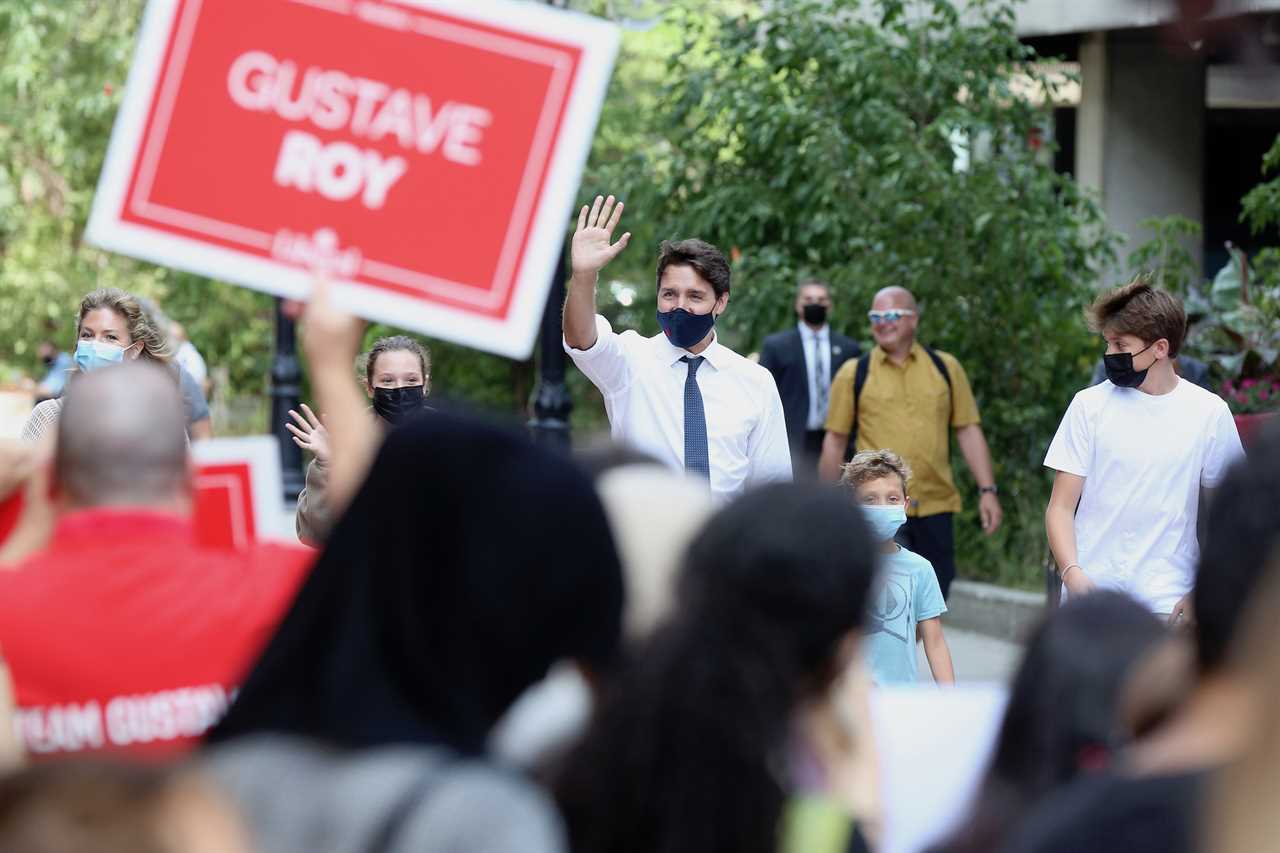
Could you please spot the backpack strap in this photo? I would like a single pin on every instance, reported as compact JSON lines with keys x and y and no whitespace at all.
{"x":946,"y":374}
{"x":859,"y":382}
{"x":940,"y":364}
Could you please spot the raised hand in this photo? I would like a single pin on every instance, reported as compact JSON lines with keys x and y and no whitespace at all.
{"x":591,"y":249}
{"x":310,"y":434}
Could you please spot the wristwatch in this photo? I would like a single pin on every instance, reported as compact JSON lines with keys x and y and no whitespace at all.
{"x":989,"y":490}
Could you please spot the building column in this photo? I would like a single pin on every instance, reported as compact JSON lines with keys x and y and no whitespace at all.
{"x":1140,"y":131}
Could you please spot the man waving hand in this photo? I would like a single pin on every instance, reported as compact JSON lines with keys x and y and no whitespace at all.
{"x":680,"y":395}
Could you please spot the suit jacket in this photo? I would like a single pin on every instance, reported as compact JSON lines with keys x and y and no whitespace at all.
{"x":783,"y":355}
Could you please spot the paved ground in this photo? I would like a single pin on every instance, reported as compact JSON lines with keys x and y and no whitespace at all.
{"x":977,"y":657}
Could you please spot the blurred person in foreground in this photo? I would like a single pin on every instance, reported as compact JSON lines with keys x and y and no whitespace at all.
{"x":681,"y":395}
{"x":397,"y":379}
{"x":1132,"y":457}
{"x":1151,"y":800}
{"x":467,"y":565}
{"x":1240,"y":813}
{"x":906,"y":604}
{"x":123,"y":635}
{"x":113,"y":327}
{"x":640,"y":495}
{"x":1062,"y":719}
{"x":92,"y":806}
{"x":730,"y":728}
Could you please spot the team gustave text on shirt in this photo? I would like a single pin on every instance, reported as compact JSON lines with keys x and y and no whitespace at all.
{"x":127,"y":636}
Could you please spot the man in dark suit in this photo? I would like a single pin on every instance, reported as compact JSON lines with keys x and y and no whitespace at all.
{"x":802,"y":361}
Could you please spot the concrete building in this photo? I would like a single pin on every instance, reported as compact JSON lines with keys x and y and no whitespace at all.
{"x":1178,"y":102}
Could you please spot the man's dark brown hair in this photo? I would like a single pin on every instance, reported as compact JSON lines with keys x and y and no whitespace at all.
{"x":1141,"y":310}
{"x":705,"y":259}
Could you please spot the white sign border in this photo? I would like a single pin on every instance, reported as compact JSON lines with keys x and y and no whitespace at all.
{"x":262,"y":454}
{"x":513,"y":337}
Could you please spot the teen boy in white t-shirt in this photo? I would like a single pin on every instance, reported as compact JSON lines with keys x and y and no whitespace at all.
{"x":1132,"y":455}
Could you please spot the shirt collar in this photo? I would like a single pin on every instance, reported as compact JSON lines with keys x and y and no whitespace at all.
{"x":808,"y":334}
{"x":880,"y":356}
{"x":103,"y":523}
{"x":715,"y":354}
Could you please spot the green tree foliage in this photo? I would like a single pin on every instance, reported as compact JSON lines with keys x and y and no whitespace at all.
{"x":881,"y":143}
{"x":62,"y":72}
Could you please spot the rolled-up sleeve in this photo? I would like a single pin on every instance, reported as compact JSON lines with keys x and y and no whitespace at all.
{"x":605,"y":361}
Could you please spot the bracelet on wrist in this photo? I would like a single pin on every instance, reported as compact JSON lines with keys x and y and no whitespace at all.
{"x":1063,"y":574}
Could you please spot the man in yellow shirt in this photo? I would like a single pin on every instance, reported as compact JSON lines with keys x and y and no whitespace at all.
{"x":903,"y":396}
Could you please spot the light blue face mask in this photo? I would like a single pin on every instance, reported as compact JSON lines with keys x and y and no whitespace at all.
{"x":884,"y":520}
{"x":90,"y":355}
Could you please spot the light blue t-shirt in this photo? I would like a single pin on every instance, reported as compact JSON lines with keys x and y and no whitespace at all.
{"x":906,"y":594}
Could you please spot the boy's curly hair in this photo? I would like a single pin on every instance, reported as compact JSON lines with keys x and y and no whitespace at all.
{"x":873,"y":465}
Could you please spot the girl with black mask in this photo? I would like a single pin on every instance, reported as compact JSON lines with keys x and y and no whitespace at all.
{"x":397,"y":379}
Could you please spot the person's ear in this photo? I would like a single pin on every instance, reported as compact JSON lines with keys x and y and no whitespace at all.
{"x":1161,"y":348}
{"x":368,"y":389}
{"x":721,"y":303}
{"x":426,"y":384}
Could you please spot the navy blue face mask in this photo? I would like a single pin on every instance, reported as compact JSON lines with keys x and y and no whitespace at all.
{"x":684,"y":328}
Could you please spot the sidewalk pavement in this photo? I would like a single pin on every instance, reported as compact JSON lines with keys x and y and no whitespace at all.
{"x":976,"y":657}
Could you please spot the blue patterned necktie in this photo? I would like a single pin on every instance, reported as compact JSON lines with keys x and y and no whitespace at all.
{"x":697,"y":459}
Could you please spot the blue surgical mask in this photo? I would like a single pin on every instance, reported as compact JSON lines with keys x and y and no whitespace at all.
{"x":684,"y":328}
{"x":884,"y":520}
{"x":90,"y":355}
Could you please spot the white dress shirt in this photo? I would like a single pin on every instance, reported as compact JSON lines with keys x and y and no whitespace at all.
{"x":642,"y":380}
{"x":817,"y":345}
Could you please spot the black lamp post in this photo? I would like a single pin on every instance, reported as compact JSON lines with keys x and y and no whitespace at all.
{"x":551,"y":401}
{"x":286,"y":386}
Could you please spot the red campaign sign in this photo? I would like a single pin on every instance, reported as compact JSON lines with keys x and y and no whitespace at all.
{"x":224,"y":506}
{"x":424,"y":153}
{"x":238,"y":492}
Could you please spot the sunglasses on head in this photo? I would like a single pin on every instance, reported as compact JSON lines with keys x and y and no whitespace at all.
{"x":893,"y":315}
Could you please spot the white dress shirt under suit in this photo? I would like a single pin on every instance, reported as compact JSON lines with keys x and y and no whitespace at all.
{"x":817,"y":347}
{"x":642,"y":380}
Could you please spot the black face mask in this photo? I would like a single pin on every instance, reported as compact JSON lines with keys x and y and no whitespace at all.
{"x":814,"y":314}
{"x":1120,"y":368}
{"x":48,"y":360}
{"x":395,"y":404}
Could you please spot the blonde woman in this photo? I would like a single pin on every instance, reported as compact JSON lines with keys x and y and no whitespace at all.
{"x":111,"y":328}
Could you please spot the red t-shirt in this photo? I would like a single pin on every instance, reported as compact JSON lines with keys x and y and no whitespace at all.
{"x":125,"y":636}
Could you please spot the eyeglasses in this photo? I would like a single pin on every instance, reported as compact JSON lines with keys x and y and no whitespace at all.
{"x":891,"y":316}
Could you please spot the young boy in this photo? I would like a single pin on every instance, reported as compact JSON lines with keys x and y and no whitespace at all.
{"x":1133,"y":453}
{"x":909,"y":603}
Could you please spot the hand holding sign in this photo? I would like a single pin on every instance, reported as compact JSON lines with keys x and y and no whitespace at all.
{"x":330,"y":336}
{"x":591,"y":251}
